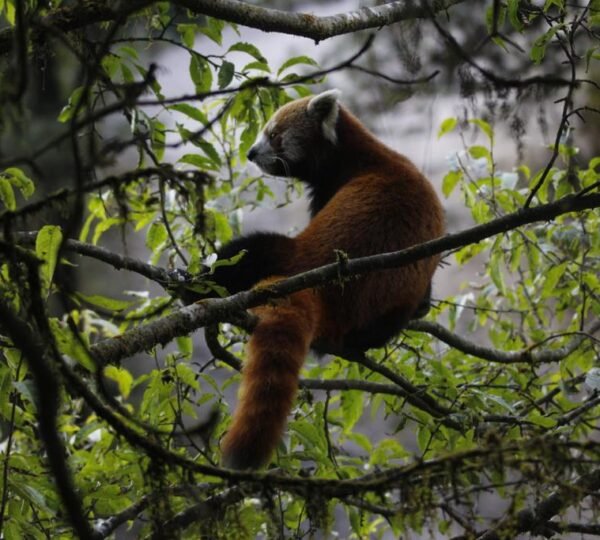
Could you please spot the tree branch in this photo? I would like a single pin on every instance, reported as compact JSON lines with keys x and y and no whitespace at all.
{"x":190,"y":318}
{"x":532,"y":519}
{"x":65,"y":194}
{"x":47,"y":384}
{"x":310,"y":26}
{"x":117,"y":261}
{"x":307,"y":25}
{"x":528,"y":355}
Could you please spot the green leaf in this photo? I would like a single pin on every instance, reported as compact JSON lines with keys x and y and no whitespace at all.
{"x":122,"y":377}
{"x":539,"y":420}
{"x":499,"y":14}
{"x":450,"y":181}
{"x":111,"y":304}
{"x":551,"y":279}
{"x":210,"y":151}
{"x":7,"y":195}
{"x":295,"y":60}
{"x":513,"y":15}
{"x":223,"y":231}
{"x":200,"y":73}
{"x":196,"y":160}
{"x":157,"y":235}
{"x":484,"y":126}
{"x":248,"y":137}
{"x":70,"y":344}
{"x":423,"y":437}
{"x":129,"y":51}
{"x":31,"y":494}
{"x":158,"y":134}
{"x":185,"y":344}
{"x":187,"y":375}
{"x":213,"y":29}
{"x":21,"y":181}
{"x":248,"y":48}
{"x":352,"y":406}
{"x":187,"y":33}
{"x":479,"y":152}
{"x":259,"y":66}
{"x":10,"y":12}
{"x":226,"y":72}
{"x":47,"y":242}
{"x":191,"y":111}
{"x":309,"y":435}
{"x":447,"y":126}
{"x":560,"y":4}
{"x":590,"y":55}
{"x":67,"y":111}
{"x":538,"y":49}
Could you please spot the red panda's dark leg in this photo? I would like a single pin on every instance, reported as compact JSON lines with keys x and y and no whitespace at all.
{"x":265,"y":255}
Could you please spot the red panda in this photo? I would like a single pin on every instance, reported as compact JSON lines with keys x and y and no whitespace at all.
{"x":365,"y":199}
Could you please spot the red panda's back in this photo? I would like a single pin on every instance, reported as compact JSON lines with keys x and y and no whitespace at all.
{"x":375,"y":213}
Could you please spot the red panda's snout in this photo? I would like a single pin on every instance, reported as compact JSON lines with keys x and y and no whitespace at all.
{"x":267,"y":157}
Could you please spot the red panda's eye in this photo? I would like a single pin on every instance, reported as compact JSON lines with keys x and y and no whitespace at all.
{"x":272,"y":135}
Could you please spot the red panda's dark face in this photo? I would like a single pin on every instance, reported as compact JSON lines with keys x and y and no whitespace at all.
{"x":297,"y":133}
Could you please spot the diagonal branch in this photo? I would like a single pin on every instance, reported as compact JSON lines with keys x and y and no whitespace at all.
{"x":528,"y":354}
{"x":190,"y":318}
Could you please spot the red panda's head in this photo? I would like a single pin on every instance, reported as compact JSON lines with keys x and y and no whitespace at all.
{"x":296,"y":134}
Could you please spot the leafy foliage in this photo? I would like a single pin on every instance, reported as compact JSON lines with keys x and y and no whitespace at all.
{"x":516,"y":415}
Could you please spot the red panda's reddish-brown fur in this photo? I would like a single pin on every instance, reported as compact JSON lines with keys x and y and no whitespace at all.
{"x":372,"y":200}
{"x":275,"y":355}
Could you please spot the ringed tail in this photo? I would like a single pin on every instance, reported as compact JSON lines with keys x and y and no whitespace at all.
{"x":275,"y":354}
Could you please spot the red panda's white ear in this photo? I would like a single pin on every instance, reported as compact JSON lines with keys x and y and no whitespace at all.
{"x":325,"y":108}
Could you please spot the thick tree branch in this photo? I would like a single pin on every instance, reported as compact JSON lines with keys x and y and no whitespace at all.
{"x":310,"y":26}
{"x":190,"y":318}
{"x":307,"y":25}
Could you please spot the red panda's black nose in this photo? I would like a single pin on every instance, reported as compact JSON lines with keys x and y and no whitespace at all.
{"x":252,"y":153}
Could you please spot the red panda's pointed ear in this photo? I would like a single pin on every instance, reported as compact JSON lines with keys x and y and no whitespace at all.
{"x":322,"y":104}
{"x":325,"y":108}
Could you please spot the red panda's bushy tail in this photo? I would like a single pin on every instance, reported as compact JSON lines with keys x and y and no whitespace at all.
{"x":275,"y":354}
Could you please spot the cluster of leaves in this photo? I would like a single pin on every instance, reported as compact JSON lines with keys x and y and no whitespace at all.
{"x":523,"y":425}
